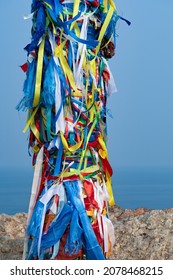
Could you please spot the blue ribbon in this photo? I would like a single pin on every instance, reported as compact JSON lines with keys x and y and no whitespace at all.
{"x":57,"y":168}
{"x":92,"y":248}
{"x":67,"y":31}
{"x":57,"y":227}
{"x":39,"y":30}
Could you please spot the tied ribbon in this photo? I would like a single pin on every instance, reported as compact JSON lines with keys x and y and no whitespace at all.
{"x":71,"y":148}
{"x":67,"y":121}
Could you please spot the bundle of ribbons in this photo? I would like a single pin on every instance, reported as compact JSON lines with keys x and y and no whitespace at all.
{"x":65,"y":93}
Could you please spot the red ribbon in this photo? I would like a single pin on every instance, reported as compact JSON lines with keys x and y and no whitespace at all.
{"x":24,"y":67}
{"x":90,"y":193}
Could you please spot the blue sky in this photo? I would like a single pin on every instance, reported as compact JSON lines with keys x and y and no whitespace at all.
{"x":141,"y":131}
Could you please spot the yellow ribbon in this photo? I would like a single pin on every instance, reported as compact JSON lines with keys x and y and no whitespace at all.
{"x":35,"y":131}
{"x":39,"y":74}
{"x":88,"y":138}
{"x":104,"y":154}
{"x":67,"y":71}
{"x":73,"y":171}
{"x":75,"y":11}
{"x":105,"y":25}
{"x":109,"y":188}
{"x":105,"y":3}
{"x":76,"y":29}
{"x":90,"y":212}
{"x":30,"y":120}
{"x":102,"y":143}
{"x":112,"y":4}
{"x":72,"y":148}
{"x":47,"y":4}
{"x":30,"y":123}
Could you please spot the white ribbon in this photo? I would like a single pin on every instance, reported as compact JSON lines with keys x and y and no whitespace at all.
{"x":36,"y":182}
{"x":60,"y":123}
{"x":112,"y":88}
{"x":81,"y":187}
{"x":28,"y":16}
{"x":105,"y":229}
{"x":108,"y":233}
{"x":54,"y":190}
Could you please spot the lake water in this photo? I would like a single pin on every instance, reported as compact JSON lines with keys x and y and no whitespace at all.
{"x":149,"y":188}
{"x":152,"y":188}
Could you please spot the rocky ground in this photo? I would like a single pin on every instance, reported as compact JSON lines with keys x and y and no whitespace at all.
{"x":140,"y":234}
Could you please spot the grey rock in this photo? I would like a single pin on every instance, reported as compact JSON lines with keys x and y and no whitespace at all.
{"x":140,"y":234}
{"x":12,"y":231}
{"x":147,"y":236}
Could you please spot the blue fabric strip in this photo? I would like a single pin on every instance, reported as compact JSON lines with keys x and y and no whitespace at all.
{"x":57,"y":227}
{"x":92,"y":248}
{"x":57,"y":169}
{"x":67,"y":31}
{"x":48,"y":123}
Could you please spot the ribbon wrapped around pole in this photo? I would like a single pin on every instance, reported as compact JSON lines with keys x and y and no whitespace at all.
{"x":67,"y":84}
